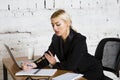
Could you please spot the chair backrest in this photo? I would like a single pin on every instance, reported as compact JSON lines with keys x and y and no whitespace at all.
{"x":108,"y":52}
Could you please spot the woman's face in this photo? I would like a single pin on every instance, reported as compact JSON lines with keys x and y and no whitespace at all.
{"x":60,"y":26}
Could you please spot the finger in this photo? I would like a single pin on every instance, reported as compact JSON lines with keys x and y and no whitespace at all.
{"x":25,"y":68}
{"x":47,"y":56}
{"x":50,"y":53}
{"x":33,"y":65}
{"x":23,"y":65}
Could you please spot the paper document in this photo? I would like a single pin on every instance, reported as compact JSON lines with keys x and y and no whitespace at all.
{"x":40,"y":72}
{"x":68,"y":76}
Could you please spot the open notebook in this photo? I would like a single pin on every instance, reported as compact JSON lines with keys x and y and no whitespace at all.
{"x":37,"y":72}
{"x":68,"y":76}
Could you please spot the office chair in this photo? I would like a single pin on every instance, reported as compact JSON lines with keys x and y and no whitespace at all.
{"x":108,"y":52}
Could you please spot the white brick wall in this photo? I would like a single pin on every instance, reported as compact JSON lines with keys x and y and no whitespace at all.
{"x":26,"y":22}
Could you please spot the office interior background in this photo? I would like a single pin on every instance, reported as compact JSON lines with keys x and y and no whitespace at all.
{"x":26,"y":23}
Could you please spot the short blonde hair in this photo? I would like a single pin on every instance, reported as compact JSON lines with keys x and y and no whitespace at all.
{"x":63,"y":15}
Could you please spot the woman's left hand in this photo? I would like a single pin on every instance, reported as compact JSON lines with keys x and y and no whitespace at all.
{"x":49,"y":56}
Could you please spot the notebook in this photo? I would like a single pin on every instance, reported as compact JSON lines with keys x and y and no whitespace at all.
{"x":17,"y":63}
{"x":37,"y":72}
{"x":68,"y":76}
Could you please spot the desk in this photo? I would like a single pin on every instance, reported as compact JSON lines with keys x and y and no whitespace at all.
{"x":8,"y":65}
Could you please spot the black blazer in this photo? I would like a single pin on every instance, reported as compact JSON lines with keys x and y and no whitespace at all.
{"x":73,"y":56}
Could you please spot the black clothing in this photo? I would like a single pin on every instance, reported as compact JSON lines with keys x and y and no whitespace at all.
{"x":107,"y":78}
{"x":73,"y":56}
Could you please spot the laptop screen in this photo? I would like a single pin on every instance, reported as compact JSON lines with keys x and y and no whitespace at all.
{"x":11,"y":55}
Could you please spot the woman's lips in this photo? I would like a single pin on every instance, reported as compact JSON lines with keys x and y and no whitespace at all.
{"x":56,"y":32}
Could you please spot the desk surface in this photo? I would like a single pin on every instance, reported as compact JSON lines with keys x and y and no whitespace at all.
{"x":12,"y":68}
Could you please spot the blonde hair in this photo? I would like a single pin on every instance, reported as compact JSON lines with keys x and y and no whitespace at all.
{"x":63,"y":15}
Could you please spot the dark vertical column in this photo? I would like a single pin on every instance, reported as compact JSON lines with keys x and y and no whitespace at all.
{"x":8,"y":7}
{"x":45,"y":4}
{"x":5,"y":75}
{"x":36,"y":6}
{"x":53,"y":3}
{"x":117,"y":1}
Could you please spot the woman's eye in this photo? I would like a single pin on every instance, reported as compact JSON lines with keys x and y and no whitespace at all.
{"x":58,"y":24}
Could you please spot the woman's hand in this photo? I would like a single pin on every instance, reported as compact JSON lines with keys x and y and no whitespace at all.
{"x":50,"y":58}
{"x":28,"y":65}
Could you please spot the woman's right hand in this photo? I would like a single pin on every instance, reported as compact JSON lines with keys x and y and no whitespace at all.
{"x":51,"y":59}
{"x":28,"y":65}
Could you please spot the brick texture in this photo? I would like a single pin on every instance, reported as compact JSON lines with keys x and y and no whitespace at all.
{"x":26,"y":23}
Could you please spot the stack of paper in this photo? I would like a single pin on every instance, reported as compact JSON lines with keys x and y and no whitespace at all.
{"x":40,"y":72}
{"x":68,"y":76}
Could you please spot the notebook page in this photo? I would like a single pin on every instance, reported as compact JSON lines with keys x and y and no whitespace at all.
{"x":68,"y":76}
{"x":42,"y":72}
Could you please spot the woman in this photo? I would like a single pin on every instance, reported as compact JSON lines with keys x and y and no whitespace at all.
{"x":70,"y":48}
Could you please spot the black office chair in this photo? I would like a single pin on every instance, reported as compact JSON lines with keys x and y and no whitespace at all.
{"x":108,"y":52}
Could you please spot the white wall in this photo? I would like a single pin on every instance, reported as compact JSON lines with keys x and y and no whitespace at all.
{"x":26,"y":23}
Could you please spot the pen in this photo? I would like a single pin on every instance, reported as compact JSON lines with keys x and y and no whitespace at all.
{"x":29,"y":65}
{"x":37,"y":71}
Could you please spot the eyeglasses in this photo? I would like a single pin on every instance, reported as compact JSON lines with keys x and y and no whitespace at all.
{"x":45,"y":78}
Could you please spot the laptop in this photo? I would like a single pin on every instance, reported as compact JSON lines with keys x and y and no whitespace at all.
{"x":17,"y":63}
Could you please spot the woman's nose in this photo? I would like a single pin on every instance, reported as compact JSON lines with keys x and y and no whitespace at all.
{"x":55,"y":27}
